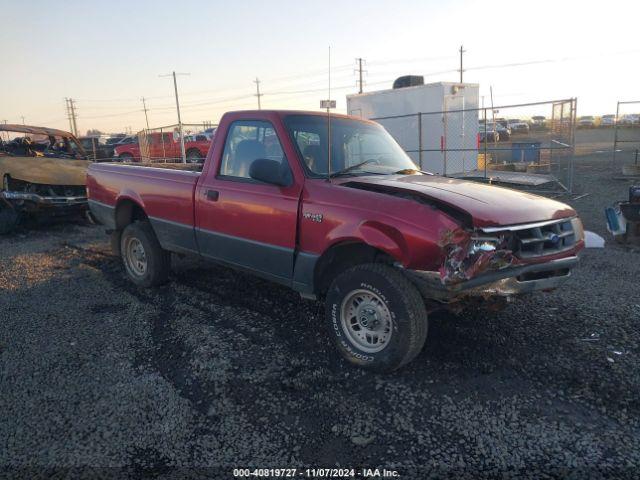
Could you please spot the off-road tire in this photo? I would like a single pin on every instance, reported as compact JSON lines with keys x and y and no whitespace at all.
{"x":157,"y":261}
{"x":9,"y":219}
{"x":404,"y":304}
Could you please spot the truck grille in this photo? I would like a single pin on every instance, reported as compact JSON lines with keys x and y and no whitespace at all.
{"x":538,"y":240}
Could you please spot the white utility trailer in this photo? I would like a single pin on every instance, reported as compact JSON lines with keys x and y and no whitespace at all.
{"x":437,"y":123}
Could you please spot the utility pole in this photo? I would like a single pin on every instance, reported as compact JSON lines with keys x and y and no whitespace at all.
{"x":258,"y":94}
{"x":66,"y":106}
{"x":72,"y":110}
{"x":175,"y":87}
{"x":360,"y":72}
{"x":145,"y":110}
{"x":462,"y":51}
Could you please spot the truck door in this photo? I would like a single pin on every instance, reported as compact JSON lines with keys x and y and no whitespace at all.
{"x":242,"y":221}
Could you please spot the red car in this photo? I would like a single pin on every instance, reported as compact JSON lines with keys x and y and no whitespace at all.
{"x":157,"y":145}
{"x":380,"y":241}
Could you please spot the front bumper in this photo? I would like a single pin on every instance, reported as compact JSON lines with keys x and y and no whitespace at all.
{"x":504,"y":283}
{"x":44,"y":201}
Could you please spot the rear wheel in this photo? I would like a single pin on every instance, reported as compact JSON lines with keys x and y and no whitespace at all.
{"x":194,"y":156}
{"x":376,"y":317}
{"x":146,"y":263}
{"x":126,"y":157}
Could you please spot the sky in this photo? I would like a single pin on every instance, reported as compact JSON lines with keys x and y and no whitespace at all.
{"x":107,"y":55}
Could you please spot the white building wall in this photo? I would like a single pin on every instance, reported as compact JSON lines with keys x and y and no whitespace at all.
{"x":458,"y":130}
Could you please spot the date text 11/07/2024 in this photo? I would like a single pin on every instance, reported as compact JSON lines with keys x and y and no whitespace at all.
{"x":316,"y":473}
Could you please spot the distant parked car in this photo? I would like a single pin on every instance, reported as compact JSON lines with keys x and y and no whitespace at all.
{"x":96,"y":147}
{"x":504,"y":132}
{"x":127,"y":140}
{"x":538,"y":121}
{"x":607,"y":120}
{"x":518,"y":126}
{"x":488,"y":134}
{"x":210,"y":132}
{"x":586,"y":122}
{"x":629,"y":119}
{"x":197,"y":137}
{"x":115,"y":139}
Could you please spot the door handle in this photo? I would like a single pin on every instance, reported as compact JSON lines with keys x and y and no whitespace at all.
{"x":213,"y":195}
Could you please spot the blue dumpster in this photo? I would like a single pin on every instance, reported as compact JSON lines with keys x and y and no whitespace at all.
{"x":525,"y":152}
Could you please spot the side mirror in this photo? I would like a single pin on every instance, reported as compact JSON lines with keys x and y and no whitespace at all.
{"x":270,"y":171}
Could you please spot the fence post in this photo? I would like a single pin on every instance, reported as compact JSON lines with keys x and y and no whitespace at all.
{"x":615,"y":134}
{"x":420,"y":139}
{"x":574,"y":112}
{"x":164,"y":154}
{"x":485,"y":143}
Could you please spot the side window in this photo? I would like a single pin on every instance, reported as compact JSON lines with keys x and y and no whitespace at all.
{"x":249,"y":140}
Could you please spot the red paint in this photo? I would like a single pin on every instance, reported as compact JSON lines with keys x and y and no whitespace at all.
{"x":407,"y":230}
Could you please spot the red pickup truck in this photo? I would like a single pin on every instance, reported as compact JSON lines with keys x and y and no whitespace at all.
{"x":381,"y":242}
{"x":157,"y":145}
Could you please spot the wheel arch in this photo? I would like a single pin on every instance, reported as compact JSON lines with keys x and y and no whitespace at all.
{"x":343,"y":255}
{"x":127,"y":211}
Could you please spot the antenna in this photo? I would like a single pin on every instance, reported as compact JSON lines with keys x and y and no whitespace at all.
{"x":328,"y":121}
{"x":328,"y":104}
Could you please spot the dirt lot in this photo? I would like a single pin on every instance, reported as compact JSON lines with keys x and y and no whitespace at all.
{"x":220,"y":370}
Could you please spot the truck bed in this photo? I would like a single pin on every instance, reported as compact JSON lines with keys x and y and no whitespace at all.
{"x":165,"y":194}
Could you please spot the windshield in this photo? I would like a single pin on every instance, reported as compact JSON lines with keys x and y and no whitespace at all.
{"x":352,"y":143}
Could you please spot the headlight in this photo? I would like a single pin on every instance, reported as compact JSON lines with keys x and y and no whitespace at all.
{"x":578,"y":229}
{"x":483,"y":244}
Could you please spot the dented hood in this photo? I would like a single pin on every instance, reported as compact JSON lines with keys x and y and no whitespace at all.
{"x":488,"y":205}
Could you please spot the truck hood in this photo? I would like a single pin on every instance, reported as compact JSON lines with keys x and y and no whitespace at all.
{"x":488,"y":205}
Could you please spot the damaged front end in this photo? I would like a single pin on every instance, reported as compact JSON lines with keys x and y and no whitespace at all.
{"x":31,"y":198}
{"x":468,"y":255}
{"x":502,"y":261}
{"x":21,"y":199}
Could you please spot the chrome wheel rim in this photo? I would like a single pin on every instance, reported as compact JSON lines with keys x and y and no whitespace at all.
{"x":136,"y":257}
{"x":366,"y":320}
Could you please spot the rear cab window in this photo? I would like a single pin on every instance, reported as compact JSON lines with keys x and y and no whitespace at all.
{"x":249,"y":140}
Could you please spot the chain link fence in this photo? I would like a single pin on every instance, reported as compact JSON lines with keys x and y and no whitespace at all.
{"x":526,"y":145}
{"x":165,"y":145}
{"x":626,"y":139}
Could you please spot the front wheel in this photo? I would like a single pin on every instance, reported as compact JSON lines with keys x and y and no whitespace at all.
{"x":376,"y":317}
{"x":146,"y":263}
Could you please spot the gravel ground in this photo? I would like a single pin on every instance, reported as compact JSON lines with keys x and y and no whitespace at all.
{"x":218,"y":369}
